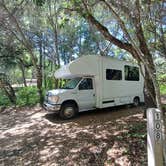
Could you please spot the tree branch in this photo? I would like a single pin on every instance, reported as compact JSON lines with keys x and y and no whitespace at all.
{"x":105,"y":32}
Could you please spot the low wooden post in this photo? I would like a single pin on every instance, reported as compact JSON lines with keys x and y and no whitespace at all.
{"x":154,"y":137}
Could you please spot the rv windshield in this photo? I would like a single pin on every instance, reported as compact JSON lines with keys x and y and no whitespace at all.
{"x":71,"y":84}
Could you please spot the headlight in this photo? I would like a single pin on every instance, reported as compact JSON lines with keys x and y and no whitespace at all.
{"x":53,"y":99}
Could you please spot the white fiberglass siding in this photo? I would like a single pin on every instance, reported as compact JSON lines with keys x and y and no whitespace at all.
{"x":119,"y":91}
{"x":84,"y":66}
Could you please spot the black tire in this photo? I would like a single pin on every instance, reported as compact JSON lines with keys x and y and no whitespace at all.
{"x":136,"y":101}
{"x":68,"y":111}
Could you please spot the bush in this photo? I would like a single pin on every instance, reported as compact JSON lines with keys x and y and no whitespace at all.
{"x":4,"y":101}
{"x":27,"y":96}
{"x":162,"y":83}
{"x":163,"y":89}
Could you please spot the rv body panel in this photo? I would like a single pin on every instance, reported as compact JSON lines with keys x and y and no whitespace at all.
{"x":119,"y":92}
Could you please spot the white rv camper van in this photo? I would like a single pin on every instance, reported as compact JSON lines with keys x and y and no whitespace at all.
{"x":95,"y":82}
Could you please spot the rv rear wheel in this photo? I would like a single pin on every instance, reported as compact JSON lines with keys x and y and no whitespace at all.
{"x":68,"y":111}
{"x":136,"y":101}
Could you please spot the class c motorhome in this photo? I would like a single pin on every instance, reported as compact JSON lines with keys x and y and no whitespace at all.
{"x":95,"y":82}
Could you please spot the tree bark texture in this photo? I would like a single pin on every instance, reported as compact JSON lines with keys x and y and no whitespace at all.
{"x":8,"y":89}
{"x":23,"y":74}
{"x":39,"y":84}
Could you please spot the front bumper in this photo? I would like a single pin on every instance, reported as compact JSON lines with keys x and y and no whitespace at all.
{"x":52,"y":107}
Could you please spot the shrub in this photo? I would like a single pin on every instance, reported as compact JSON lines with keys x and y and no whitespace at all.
{"x":162,"y":83}
{"x":163,"y":89}
{"x":4,"y":101}
{"x":27,"y":96}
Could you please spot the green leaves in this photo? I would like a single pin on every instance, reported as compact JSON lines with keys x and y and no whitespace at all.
{"x":27,"y":96}
{"x":39,"y":2}
{"x":4,"y":101}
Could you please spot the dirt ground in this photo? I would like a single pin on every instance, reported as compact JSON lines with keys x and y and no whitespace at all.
{"x":108,"y":137}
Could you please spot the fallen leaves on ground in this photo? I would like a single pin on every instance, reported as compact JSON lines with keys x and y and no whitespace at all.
{"x":108,"y":137}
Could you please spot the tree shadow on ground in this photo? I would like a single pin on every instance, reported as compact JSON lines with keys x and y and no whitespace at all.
{"x":100,"y":137}
{"x":97,"y":115}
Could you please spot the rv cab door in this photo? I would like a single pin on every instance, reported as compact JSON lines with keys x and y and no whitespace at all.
{"x":86,"y":94}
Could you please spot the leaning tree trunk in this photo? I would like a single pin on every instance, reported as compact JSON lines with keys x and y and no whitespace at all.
{"x":10,"y":93}
{"x":149,"y":93}
{"x":7,"y":88}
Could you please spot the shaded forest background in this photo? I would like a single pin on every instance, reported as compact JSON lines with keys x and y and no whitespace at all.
{"x":39,"y":36}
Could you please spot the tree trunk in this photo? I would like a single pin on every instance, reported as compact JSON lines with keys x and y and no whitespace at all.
{"x":10,"y":93}
{"x":8,"y":89}
{"x":39,"y":84}
{"x":149,"y":93}
{"x":23,"y":74}
{"x":56,"y":83}
{"x":44,"y":74}
{"x":56,"y":46}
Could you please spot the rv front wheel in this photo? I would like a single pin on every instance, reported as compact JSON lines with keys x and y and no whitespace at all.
{"x":136,"y":101}
{"x":68,"y":111}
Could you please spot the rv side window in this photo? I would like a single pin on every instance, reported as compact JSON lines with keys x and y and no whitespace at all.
{"x":131,"y":73}
{"x":112,"y":74}
{"x":85,"y":84}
